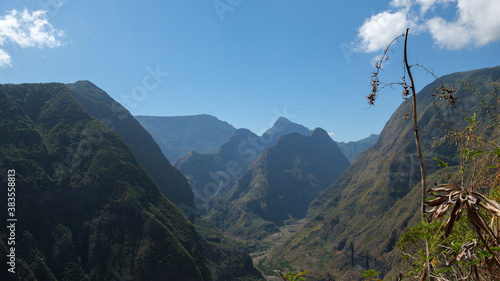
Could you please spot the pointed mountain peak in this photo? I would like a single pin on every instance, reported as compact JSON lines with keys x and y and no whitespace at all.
{"x":283,"y":126}
{"x":282,"y":120}
{"x":319,"y":132}
{"x":242,"y":133}
{"x":84,"y":82}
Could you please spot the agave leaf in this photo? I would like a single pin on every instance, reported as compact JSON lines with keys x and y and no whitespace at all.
{"x":493,"y":206}
{"x":478,"y":222}
{"x":438,"y":201}
{"x":490,"y":208}
{"x":439,"y":212}
{"x":453,"y":196}
{"x":453,"y":217}
{"x":446,"y":185}
{"x":490,"y":205}
{"x":444,"y":188}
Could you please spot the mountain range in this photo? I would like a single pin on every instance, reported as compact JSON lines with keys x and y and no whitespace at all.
{"x":169,"y":180}
{"x":177,"y":135}
{"x":204,"y":134}
{"x":97,"y":199}
{"x":279,"y":185}
{"x":354,"y":148}
{"x":212,"y":175}
{"x":360,"y":217}
{"x":86,"y":208}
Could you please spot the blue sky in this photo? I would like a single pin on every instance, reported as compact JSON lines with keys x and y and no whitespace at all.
{"x":245,"y":61}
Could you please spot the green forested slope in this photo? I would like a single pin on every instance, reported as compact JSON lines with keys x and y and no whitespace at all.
{"x":85,"y":208}
{"x":101,"y":106}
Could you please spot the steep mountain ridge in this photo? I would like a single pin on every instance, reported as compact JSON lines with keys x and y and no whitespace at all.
{"x":169,"y":179}
{"x":354,"y":148}
{"x":86,"y":209}
{"x":212,"y":175}
{"x":282,"y":126}
{"x":351,"y":223}
{"x":279,"y":185}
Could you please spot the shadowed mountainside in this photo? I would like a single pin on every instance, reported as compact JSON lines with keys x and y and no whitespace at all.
{"x":169,"y":179}
{"x":86,"y":209}
{"x":279,"y":185}
{"x":212,"y":175}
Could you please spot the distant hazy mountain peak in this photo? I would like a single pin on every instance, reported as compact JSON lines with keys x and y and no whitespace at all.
{"x":319,"y":132}
{"x":242,"y":132}
{"x":177,"y":135}
{"x":282,"y":127}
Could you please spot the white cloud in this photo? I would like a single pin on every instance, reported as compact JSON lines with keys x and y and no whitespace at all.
{"x":27,"y":29}
{"x":405,"y":4}
{"x":449,"y":35}
{"x":476,"y":23}
{"x":426,"y":5}
{"x":379,"y":30}
{"x":331,"y":134}
{"x":4,"y":59}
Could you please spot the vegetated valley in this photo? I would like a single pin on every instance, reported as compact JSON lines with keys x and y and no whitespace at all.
{"x":104,"y":195}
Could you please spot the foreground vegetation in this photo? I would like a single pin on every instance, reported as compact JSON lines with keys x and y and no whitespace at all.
{"x":368,"y":225}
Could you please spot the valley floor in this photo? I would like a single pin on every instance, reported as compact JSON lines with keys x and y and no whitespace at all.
{"x":274,"y":241}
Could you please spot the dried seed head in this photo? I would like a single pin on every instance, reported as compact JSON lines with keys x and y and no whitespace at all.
{"x":371,"y":98}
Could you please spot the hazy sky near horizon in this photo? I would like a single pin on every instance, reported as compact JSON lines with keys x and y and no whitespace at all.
{"x":246,"y":62}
